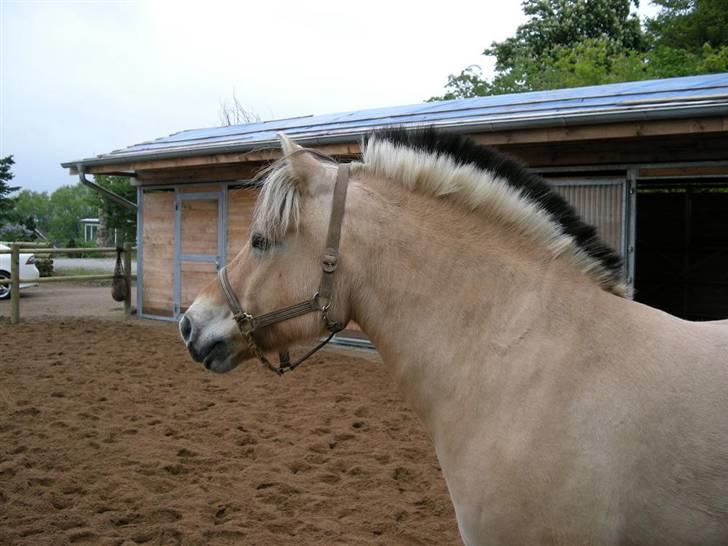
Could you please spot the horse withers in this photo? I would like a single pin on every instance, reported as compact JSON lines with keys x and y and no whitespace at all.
{"x":560,"y":411}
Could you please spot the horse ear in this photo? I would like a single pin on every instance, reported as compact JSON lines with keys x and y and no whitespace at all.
{"x":306,"y":171}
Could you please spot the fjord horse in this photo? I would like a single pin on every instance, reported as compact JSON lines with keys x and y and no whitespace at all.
{"x":561,"y":412}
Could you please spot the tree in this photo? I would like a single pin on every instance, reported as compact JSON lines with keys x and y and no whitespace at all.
{"x":690,"y":24}
{"x":588,"y":62}
{"x":234,"y":113}
{"x":68,"y":204}
{"x":469,"y":83}
{"x":115,"y":216}
{"x":31,"y":214}
{"x":564,"y":43}
{"x":6,"y":175}
{"x":569,"y":43}
{"x":689,"y":37}
{"x":59,"y":215}
{"x":564,"y":23}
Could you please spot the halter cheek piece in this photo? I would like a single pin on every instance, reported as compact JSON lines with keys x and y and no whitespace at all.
{"x":319,"y":303}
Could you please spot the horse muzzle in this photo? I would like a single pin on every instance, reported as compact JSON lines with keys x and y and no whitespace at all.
{"x":218,"y":353}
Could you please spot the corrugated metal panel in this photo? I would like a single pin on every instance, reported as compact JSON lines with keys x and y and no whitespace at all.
{"x":629,"y":100}
{"x":602,"y":204}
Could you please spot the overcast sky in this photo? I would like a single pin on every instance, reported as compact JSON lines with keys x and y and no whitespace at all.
{"x":79,"y":78}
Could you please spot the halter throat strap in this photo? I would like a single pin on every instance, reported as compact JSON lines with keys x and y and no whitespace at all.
{"x":320,"y":302}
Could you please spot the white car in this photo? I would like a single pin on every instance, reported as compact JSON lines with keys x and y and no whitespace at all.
{"x":28,"y":271}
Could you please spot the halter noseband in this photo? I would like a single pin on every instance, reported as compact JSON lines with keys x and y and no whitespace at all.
{"x":319,"y":303}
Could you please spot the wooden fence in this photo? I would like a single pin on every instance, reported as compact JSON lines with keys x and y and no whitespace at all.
{"x":15,"y":280}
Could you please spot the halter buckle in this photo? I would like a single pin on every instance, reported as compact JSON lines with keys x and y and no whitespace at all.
{"x":329,"y":261}
{"x":246,"y":322}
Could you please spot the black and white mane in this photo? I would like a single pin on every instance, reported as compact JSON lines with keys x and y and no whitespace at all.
{"x":480,"y":178}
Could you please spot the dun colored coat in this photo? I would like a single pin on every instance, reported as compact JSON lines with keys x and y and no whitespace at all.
{"x":561,"y":412}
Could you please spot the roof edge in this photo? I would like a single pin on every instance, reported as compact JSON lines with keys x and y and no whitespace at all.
{"x":616,"y":115}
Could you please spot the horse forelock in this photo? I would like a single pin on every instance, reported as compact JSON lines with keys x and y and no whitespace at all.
{"x":485,"y":181}
{"x":278,"y":207}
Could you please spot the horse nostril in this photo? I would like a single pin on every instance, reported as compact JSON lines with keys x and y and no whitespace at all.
{"x":185,"y":328}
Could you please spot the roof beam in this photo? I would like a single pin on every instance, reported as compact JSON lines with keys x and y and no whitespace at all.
{"x":625,"y":130}
{"x":615,"y":131}
{"x":253,"y":156}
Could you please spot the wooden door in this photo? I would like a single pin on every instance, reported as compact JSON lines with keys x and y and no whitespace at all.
{"x":198,"y":245}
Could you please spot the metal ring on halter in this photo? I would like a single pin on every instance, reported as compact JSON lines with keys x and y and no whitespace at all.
{"x":322,"y":308}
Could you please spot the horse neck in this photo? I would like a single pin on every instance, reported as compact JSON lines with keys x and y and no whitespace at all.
{"x":446,"y":296}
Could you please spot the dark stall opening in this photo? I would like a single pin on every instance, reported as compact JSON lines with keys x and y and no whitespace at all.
{"x":681,"y":254}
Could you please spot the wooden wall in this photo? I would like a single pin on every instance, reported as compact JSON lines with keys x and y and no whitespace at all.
{"x":199,"y":226}
{"x":240,"y":205}
{"x":193,"y":278}
{"x":158,"y":253}
{"x":198,"y":236}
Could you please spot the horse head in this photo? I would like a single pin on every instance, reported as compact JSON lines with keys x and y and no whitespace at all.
{"x":279,"y":265}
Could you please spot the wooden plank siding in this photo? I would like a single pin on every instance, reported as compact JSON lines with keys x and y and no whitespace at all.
{"x":193,"y":277}
{"x":199,"y":235}
{"x":240,"y":205}
{"x":199,"y":229}
{"x":158,"y":255}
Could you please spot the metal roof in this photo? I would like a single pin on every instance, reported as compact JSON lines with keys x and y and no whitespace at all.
{"x":671,"y":98}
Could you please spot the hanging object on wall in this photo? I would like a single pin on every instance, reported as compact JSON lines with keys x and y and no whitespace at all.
{"x":119,"y":284}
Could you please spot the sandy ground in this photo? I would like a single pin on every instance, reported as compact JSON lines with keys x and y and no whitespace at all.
{"x":109,"y":434}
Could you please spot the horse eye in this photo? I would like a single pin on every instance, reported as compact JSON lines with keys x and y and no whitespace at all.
{"x":259,"y":242}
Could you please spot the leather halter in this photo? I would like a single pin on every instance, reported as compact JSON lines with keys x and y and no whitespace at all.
{"x":319,"y":303}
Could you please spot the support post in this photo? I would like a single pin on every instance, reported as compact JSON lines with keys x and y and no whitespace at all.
{"x":14,"y":284}
{"x":127,"y":274}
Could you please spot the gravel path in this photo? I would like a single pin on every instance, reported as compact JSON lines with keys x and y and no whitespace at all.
{"x":90,"y":264}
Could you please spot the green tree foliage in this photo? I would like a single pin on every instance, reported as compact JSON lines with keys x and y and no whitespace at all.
{"x":32,"y":209}
{"x":469,"y":83}
{"x":58,"y":215}
{"x":116,"y":216}
{"x":570,"y":43}
{"x":690,"y":24}
{"x":688,"y":37}
{"x":592,"y":61}
{"x":558,"y":24}
{"x":67,"y":205}
{"x":6,"y":175}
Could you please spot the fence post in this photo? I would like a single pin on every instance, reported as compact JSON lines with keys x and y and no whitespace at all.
{"x":14,"y":284}
{"x":127,"y":274}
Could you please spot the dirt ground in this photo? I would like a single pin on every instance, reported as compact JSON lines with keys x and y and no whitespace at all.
{"x":110,"y":434}
{"x":68,"y":299}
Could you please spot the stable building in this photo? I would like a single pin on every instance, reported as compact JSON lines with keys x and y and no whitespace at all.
{"x":646,"y":162}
